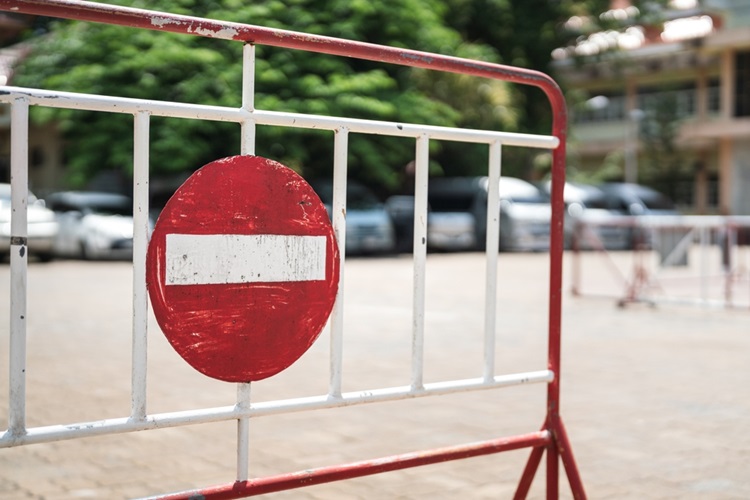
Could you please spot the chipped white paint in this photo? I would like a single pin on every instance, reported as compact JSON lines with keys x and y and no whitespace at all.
{"x":225,"y":33}
{"x":160,"y":22}
{"x":202,"y":259}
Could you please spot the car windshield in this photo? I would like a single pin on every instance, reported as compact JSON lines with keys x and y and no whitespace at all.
{"x":91,"y":203}
{"x":656,"y":201}
{"x":111,"y":209}
{"x":519,"y":191}
{"x":595,"y":201}
{"x":451,"y":202}
{"x":358,"y":197}
{"x":455,"y":194}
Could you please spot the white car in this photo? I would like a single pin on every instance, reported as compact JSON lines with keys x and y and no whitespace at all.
{"x":40,"y":224}
{"x":93,"y":225}
{"x":459,"y":213}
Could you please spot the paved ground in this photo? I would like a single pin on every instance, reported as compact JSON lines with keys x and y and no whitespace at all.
{"x":656,"y":399}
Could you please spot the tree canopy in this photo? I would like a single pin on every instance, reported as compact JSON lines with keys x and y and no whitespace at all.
{"x":112,"y":60}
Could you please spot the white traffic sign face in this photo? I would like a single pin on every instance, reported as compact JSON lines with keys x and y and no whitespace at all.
{"x":243,"y":268}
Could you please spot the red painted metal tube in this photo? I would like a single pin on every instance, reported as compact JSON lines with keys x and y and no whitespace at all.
{"x":568,"y":460}
{"x":322,"y":475}
{"x":524,"y":485}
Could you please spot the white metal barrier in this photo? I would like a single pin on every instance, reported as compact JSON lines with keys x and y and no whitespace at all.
{"x":698,"y":260}
{"x":551,"y":439}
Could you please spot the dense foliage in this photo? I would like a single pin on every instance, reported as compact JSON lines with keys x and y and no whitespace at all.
{"x":102,"y":59}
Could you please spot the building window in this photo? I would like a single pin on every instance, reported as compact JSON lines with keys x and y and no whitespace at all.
{"x":742,"y":84}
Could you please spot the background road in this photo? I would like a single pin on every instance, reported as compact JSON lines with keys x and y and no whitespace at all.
{"x":655,"y":399}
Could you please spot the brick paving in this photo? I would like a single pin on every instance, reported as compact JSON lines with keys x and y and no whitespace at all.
{"x":655,"y":399}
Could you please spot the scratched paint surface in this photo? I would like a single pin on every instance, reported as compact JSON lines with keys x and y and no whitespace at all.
{"x":234,"y":216}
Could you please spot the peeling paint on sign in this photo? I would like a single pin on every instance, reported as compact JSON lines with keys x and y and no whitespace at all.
{"x":243,"y":268}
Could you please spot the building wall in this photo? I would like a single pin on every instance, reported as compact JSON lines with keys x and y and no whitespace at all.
{"x":740,"y":178}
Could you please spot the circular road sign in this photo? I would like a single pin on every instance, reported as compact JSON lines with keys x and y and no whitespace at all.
{"x":242,"y":268}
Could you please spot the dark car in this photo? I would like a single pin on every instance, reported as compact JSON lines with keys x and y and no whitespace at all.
{"x":638,"y":200}
{"x":590,"y":222}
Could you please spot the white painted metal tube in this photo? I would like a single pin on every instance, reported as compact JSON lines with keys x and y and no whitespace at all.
{"x":247,"y":145}
{"x":338,"y":218}
{"x":91,"y":102}
{"x":395,"y":129}
{"x":19,"y":180}
{"x":141,"y":227}
{"x":239,"y":115}
{"x":175,"y":419}
{"x":491,"y":252}
{"x":703,"y":239}
{"x":421,"y":177}
{"x":243,"y":432}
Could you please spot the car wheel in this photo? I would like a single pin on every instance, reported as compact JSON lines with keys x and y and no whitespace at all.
{"x":45,"y":257}
{"x":85,"y":251}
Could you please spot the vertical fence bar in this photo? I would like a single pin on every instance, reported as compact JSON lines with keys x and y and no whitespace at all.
{"x":19,"y":180}
{"x":704,"y":264}
{"x":492,"y":248}
{"x":247,"y":147}
{"x":338,"y":217}
{"x":730,"y":270}
{"x":421,"y":177}
{"x":243,"y":433}
{"x":141,"y":228}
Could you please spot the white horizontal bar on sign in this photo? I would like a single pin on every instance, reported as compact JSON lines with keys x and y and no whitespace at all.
{"x":396,"y":129}
{"x":204,"y":259}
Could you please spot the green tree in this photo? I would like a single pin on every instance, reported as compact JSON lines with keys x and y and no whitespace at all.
{"x":524,"y":33}
{"x":112,"y":60}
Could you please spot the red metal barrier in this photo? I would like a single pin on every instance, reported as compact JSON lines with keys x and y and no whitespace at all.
{"x":552,"y":438}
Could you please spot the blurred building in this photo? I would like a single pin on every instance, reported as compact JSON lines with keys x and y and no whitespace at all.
{"x":688,"y":64}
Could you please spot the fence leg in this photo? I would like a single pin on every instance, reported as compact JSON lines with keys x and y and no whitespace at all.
{"x":528,"y":473}
{"x":568,"y":460}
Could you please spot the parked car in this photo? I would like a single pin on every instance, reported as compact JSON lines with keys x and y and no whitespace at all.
{"x":589,"y":218}
{"x":93,"y":225}
{"x":400,"y":208}
{"x":525,"y":216}
{"x":451,"y":219}
{"x":369,"y":228}
{"x":41,"y":226}
{"x":525,"y":212}
{"x":638,"y":200}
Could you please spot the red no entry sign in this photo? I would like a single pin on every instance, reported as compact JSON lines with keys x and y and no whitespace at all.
{"x":242,"y":268}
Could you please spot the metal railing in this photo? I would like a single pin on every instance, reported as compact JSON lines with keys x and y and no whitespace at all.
{"x":690,"y":260}
{"x":551,"y":439}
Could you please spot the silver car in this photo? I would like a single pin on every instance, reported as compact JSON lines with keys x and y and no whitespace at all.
{"x":451,"y":221}
{"x":525,"y":216}
{"x":369,"y":228}
{"x":524,"y":212}
{"x":93,"y":225}
{"x":41,"y":226}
